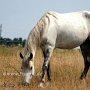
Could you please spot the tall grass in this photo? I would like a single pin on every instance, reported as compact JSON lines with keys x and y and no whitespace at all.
{"x":66,"y":68}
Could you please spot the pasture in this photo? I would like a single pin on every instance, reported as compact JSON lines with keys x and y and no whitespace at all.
{"x":66,"y":68}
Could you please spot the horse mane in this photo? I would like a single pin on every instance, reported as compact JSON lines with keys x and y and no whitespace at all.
{"x":35,"y":36}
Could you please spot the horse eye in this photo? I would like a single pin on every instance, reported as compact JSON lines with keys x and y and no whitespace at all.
{"x":30,"y":68}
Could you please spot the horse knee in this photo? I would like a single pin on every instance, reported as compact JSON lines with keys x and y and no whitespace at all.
{"x":45,"y":67}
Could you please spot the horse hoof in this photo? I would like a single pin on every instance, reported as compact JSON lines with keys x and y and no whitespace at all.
{"x":82,"y":77}
{"x":47,"y":84}
{"x":41,"y":85}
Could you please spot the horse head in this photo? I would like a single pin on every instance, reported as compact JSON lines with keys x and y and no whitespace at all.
{"x":27,"y":67}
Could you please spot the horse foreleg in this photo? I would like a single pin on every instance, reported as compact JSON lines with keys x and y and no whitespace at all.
{"x":44,"y":70}
{"x":49,"y":72}
{"x":46,"y":65}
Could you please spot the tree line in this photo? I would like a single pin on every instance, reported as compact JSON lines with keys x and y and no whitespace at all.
{"x":12,"y":42}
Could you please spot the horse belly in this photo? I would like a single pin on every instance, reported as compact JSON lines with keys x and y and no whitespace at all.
{"x":69,"y":39}
{"x":71,"y":32}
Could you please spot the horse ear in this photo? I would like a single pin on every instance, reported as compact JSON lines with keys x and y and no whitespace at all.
{"x":31,"y":56}
{"x":21,"y":55}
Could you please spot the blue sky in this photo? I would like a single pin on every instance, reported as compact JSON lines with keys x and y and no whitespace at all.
{"x":18,"y":17}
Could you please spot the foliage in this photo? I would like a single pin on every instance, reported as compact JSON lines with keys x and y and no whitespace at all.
{"x":14,"y":42}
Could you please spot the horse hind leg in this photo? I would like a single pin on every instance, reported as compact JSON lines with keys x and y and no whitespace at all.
{"x":86,"y":68}
{"x":85,"y":49}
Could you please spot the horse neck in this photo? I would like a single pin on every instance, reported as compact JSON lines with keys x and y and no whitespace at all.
{"x":33,"y":42}
{"x":35,"y":36}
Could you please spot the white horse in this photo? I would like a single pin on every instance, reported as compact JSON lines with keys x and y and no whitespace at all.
{"x":56,"y":30}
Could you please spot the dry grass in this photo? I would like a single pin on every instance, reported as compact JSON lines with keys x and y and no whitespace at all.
{"x":66,"y":67}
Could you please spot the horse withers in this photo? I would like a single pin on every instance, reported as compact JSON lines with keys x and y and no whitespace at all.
{"x":56,"y":30}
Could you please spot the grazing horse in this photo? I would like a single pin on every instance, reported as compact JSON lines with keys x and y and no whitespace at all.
{"x":56,"y":30}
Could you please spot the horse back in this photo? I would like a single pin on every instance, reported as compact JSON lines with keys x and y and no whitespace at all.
{"x":68,"y":29}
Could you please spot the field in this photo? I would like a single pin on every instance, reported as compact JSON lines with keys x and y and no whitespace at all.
{"x":66,"y":68}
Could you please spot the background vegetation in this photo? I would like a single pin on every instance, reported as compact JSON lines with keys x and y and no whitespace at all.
{"x":12,"y":42}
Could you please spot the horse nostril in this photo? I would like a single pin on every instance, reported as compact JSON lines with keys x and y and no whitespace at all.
{"x":21,"y":67}
{"x":26,"y":84}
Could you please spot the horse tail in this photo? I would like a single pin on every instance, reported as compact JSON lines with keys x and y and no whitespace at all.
{"x":87,"y":14}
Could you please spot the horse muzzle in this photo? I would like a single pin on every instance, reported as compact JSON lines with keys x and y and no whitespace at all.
{"x":26,"y":84}
{"x":27,"y":78}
